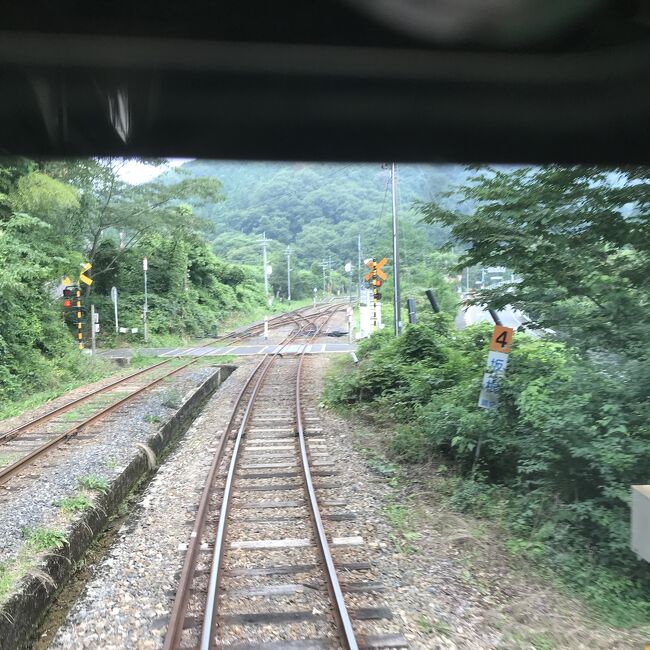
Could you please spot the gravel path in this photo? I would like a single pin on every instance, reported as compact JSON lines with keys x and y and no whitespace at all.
{"x":28,"y":501}
{"x":449,"y":579}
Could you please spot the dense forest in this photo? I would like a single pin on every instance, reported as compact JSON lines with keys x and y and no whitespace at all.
{"x":320,"y":210}
{"x":556,"y":458}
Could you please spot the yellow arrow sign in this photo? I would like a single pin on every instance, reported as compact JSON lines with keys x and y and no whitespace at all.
{"x":86,"y":266}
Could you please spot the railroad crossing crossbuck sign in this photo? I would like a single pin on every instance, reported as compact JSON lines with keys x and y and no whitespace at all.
{"x":376,"y":276}
{"x":496,"y":366}
{"x":375,"y":269}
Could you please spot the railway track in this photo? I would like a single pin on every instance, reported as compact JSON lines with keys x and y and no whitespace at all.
{"x":31,"y":440}
{"x":262,"y":563}
{"x":295,"y":317}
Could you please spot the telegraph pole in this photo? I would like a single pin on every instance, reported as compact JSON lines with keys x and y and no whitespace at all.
{"x":329,"y":269}
{"x":266,"y":267}
{"x":359,"y":267}
{"x":145,"y":324}
{"x":79,"y":322}
{"x":396,"y":297}
{"x":289,"y":274}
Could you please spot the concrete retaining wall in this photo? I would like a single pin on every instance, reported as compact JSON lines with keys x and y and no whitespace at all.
{"x":23,"y":612}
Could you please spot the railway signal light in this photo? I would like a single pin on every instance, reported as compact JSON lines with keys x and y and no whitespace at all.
{"x":68,"y":294}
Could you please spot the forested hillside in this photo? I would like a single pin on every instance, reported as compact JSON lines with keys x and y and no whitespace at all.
{"x":199,"y":226}
{"x":320,"y":210}
{"x":55,"y":215}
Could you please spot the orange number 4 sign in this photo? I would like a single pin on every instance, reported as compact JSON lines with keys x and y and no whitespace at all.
{"x":501,"y":339}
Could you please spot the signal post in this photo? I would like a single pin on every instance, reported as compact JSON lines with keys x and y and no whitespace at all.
{"x":375,"y":277}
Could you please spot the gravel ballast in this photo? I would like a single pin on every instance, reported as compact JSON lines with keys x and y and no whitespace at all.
{"x":113,"y":453}
{"x":127,"y":602}
{"x":447,"y":584}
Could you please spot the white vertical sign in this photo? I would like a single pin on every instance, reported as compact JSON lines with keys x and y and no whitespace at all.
{"x":496,"y":366}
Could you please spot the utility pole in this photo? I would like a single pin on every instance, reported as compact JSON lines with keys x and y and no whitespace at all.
{"x":324,"y":266}
{"x":94,"y":318}
{"x":396,"y":297}
{"x":145,"y":324}
{"x":266,"y":267}
{"x":79,"y":321}
{"x":289,"y":274}
{"x":359,"y":268}
{"x":114,"y":301}
{"x":348,"y":270}
{"x":329,"y":269}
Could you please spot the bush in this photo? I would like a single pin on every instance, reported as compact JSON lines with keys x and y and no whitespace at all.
{"x":568,"y":438}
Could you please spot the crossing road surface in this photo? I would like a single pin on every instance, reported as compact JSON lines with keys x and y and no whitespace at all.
{"x":474,"y":314}
{"x":238,"y":350}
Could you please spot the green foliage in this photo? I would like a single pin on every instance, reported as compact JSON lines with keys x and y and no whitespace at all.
{"x":577,"y":239}
{"x":93,"y":483}
{"x":77,"y":503}
{"x":172,"y":399}
{"x":320,"y":209}
{"x":44,"y":539}
{"x":57,"y":214}
{"x":555,"y":459}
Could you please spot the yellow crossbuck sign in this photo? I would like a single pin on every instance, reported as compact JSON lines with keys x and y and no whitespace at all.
{"x":86,"y":266}
{"x":376,"y":269}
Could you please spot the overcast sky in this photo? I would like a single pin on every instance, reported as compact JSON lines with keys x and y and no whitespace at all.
{"x":135,"y":172}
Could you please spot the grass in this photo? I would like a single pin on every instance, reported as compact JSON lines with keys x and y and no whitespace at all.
{"x":172,"y":399}
{"x":77,"y":503}
{"x":43,"y":539}
{"x":488,"y":531}
{"x":98,"y":369}
{"x":7,"y":459}
{"x":152,"y":419}
{"x":427,"y":626}
{"x":93,"y":483}
{"x":239,"y":319}
{"x":37,"y":541}
{"x":400,"y":518}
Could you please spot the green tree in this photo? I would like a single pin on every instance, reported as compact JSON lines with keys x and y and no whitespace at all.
{"x":109,"y":205}
{"x":578,"y":238}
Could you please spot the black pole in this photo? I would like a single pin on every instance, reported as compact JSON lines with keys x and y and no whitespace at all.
{"x":495,"y":317}
{"x":433,"y":301}
{"x":410,"y":307}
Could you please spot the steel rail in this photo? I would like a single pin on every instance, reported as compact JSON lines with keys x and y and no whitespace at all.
{"x":175,"y":626}
{"x":346,"y":632}
{"x":176,"y":619}
{"x":209,"y":627}
{"x":9,"y":471}
{"x":280,"y":319}
{"x":210,"y":619}
{"x":9,"y":435}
